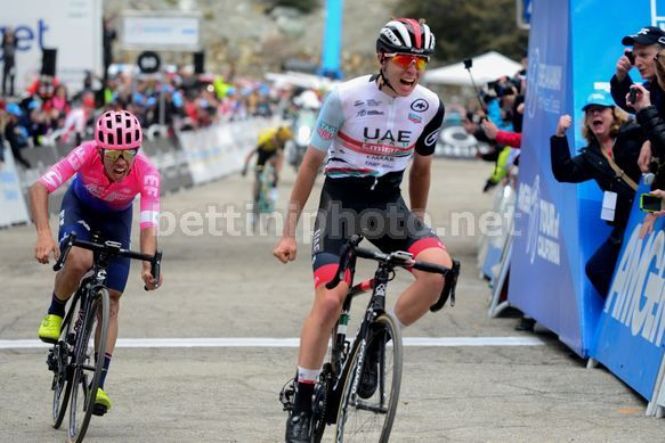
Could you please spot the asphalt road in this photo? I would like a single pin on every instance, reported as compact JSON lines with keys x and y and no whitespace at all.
{"x":222,"y":283}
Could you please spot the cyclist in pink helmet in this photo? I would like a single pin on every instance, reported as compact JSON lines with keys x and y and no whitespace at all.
{"x":108,"y":172}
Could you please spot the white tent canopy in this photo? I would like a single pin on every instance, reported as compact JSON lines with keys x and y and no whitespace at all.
{"x":486,"y":68}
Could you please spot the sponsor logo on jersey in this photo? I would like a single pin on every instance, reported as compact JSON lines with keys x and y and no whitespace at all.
{"x":432,"y":138}
{"x":372,"y":102}
{"x":358,"y":103}
{"x":325,"y":131}
{"x":420,"y":105}
{"x":53,"y":178}
{"x":364,"y":112}
{"x":377,"y":134}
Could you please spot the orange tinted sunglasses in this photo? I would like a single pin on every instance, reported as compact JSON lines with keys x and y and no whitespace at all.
{"x":114,"y":154}
{"x":405,"y":60}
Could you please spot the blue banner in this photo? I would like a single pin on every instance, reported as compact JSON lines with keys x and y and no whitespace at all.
{"x":558,"y":225}
{"x":332,"y":39}
{"x":526,"y":11}
{"x":542,"y":284}
{"x":631,"y":327}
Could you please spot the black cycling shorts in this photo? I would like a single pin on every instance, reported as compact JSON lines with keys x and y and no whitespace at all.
{"x":264,"y":156}
{"x":348,"y":207}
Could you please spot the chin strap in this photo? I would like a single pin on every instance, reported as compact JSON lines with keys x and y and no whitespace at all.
{"x":382,"y":80}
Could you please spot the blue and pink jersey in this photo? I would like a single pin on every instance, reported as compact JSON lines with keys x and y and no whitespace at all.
{"x":93,"y":187}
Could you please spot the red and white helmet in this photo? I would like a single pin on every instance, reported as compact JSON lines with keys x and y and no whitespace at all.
{"x":406,"y":35}
{"x":118,"y":130}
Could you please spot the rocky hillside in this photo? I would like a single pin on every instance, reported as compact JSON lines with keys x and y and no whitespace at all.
{"x":253,"y":39}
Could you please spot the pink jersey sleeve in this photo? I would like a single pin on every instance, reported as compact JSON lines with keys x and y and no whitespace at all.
{"x":62,"y":171}
{"x":149,"y":216}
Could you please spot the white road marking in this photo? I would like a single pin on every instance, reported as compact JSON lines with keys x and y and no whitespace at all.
{"x":261,"y":342}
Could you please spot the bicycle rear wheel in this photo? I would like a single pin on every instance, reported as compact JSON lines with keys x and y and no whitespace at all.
{"x":371,"y":419}
{"x":59,"y":363}
{"x":87,"y":369}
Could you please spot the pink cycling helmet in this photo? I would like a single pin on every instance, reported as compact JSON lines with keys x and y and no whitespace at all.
{"x":118,"y":130}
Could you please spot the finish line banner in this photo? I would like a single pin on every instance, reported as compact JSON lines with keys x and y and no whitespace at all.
{"x":557,"y":225}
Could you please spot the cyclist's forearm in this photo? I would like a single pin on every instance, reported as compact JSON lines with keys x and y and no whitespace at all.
{"x":249,"y":156}
{"x":39,"y":208}
{"x":299,"y":195}
{"x":148,"y":239}
{"x":301,"y":190}
{"x":419,"y":182}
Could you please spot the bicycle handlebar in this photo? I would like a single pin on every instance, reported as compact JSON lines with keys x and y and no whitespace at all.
{"x":397,"y":258}
{"x":111,"y":248}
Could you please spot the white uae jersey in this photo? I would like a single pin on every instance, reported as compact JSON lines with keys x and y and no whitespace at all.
{"x":368,"y":133}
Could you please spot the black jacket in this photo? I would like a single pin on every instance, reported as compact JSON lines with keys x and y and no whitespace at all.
{"x":592,"y":164}
{"x":619,"y":89}
{"x":654,"y":128}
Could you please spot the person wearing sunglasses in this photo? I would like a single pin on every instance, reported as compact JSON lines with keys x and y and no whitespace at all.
{"x":108,"y":172}
{"x":370,"y":129}
{"x":610,"y":159}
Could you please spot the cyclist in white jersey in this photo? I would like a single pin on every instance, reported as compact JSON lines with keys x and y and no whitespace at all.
{"x":369,"y":129}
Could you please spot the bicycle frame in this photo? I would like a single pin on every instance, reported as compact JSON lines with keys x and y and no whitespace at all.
{"x":265,"y":177}
{"x":341,"y":348}
{"x":376,"y":306}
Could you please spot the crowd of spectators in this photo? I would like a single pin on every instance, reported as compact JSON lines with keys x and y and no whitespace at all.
{"x":624,"y":134}
{"x":47,"y":112}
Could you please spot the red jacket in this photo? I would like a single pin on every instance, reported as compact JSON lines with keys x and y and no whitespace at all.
{"x":512,"y":139}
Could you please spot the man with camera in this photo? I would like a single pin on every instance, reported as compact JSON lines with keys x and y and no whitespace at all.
{"x":646,"y":44}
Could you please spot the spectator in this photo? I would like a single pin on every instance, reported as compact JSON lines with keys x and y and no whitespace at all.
{"x":15,"y":134}
{"x":78,"y":118}
{"x":652,"y":123}
{"x":646,"y":43}
{"x":108,"y":36}
{"x":503,"y":138}
{"x":9,"y":60}
{"x":60,"y":106}
{"x":610,"y":158}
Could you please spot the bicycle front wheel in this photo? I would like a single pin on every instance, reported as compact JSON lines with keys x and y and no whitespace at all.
{"x":87,"y":368}
{"x":370,"y":416}
{"x":59,"y":362}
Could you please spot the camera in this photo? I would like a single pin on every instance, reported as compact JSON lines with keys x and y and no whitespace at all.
{"x":503,"y":87}
{"x":475,"y":118}
{"x":630,"y":55}
{"x":632,"y":96}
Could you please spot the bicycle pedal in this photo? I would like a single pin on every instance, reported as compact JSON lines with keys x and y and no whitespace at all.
{"x":287,"y":395}
{"x":99,"y":410}
{"x":51,"y":362}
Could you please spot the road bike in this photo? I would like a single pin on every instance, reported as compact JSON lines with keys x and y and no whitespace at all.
{"x":77,"y":363}
{"x":359,"y":413}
